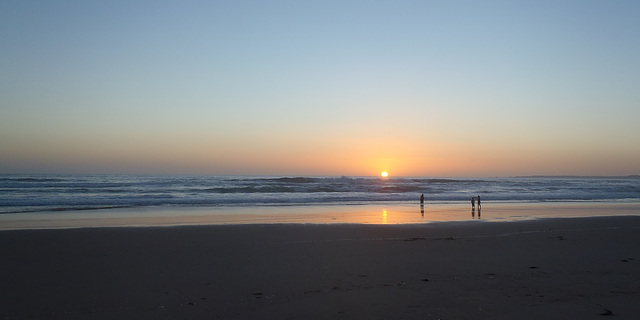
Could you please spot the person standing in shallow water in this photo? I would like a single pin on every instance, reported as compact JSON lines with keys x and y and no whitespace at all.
{"x":473,"y":203}
{"x":422,"y":198}
{"x":479,"y":203}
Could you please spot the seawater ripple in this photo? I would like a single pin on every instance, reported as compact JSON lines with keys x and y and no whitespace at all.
{"x":33,"y":193}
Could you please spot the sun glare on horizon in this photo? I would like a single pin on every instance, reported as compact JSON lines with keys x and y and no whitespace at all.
{"x":384,"y":174}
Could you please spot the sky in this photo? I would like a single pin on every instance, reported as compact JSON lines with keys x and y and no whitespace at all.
{"x":354,"y":88}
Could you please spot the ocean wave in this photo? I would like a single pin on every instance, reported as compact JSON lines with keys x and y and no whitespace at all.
{"x":77,"y":192}
{"x":400,"y":189}
{"x":30,"y":179}
{"x":294,"y":180}
{"x":257,"y":189}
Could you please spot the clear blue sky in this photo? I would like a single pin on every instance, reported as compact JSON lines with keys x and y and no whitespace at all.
{"x":418,"y":88}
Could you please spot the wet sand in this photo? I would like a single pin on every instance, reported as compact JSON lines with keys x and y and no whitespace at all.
{"x":574,"y":268}
{"x":321,"y":214}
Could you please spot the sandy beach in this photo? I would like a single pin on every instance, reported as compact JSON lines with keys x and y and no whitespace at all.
{"x":574,"y":268}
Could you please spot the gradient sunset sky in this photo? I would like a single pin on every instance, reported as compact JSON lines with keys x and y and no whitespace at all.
{"x":415,"y":88}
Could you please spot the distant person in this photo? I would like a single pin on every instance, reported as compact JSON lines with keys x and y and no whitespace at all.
{"x":479,"y":205}
{"x":473,"y":203}
{"x":422,"y":198}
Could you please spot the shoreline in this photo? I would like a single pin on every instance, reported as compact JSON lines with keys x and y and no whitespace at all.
{"x":547,"y":268}
{"x":379,"y":213}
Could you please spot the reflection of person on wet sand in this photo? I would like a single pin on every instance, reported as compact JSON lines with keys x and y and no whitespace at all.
{"x":422,"y":204}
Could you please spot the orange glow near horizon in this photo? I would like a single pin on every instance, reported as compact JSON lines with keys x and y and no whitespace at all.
{"x":351,"y":158}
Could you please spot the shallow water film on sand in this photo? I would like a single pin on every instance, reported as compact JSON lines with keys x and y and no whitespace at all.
{"x":34,"y":193}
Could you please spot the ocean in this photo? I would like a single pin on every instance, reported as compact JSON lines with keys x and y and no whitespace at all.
{"x":55,"y":193}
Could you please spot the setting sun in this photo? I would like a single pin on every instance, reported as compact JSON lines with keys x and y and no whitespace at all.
{"x":384,"y":174}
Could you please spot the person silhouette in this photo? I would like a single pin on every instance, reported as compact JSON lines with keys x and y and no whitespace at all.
{"x":479,"y":205}
{"x":473,"y":203}
{"x":422,"y":204}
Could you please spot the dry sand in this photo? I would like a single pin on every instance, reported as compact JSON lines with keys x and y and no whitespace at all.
{"x":585,"y":268}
